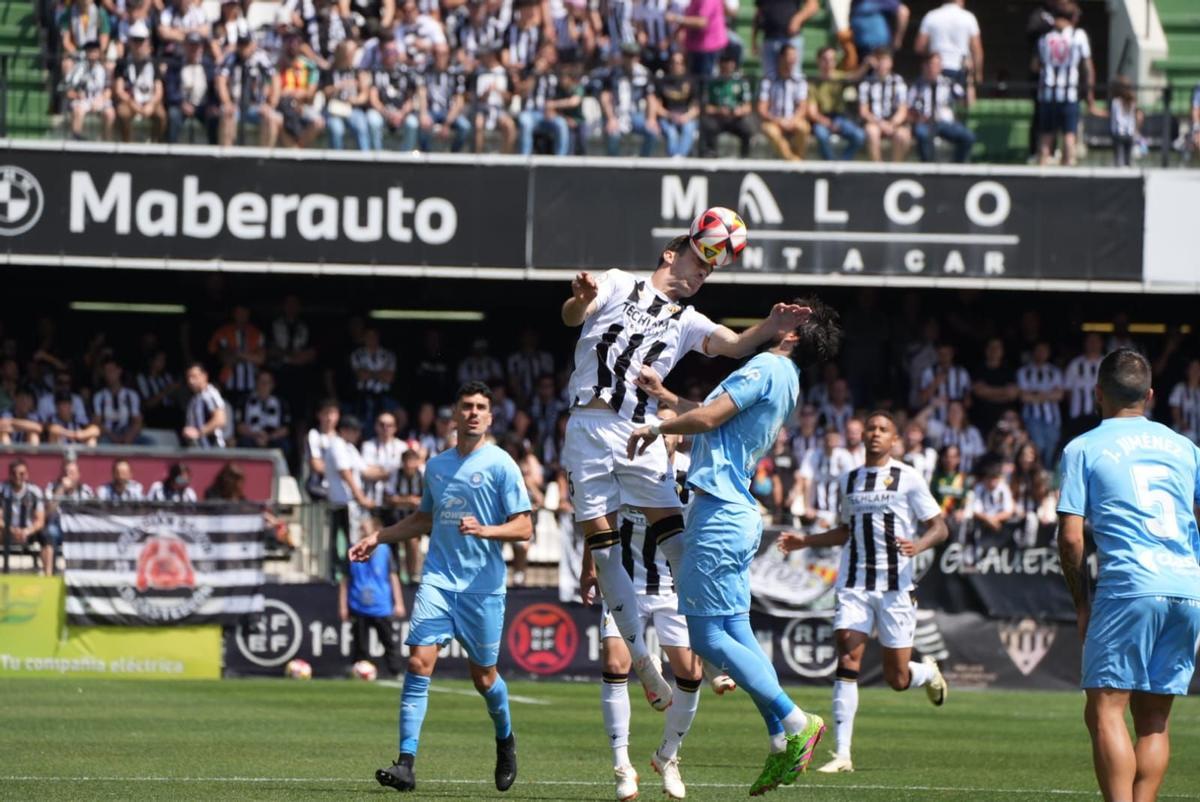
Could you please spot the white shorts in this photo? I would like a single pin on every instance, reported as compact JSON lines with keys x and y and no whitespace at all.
{"x":890,"y":613}
{"x":600,"y":476}
{"x":662,"y":612}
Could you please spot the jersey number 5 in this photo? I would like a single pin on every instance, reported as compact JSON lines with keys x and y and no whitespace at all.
{"x":1158,"y":502}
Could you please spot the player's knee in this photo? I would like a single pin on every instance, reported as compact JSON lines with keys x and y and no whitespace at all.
{"x":617,"y":664}
{"x":484,"y":679}
{"x":418,"y":664}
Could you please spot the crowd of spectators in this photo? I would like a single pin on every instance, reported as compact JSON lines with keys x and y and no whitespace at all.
{"x":526,"y":75}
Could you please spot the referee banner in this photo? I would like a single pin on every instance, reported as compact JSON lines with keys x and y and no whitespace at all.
{"x":155,"y":565}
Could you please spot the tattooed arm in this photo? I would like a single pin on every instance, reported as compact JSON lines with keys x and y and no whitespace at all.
{"x":1074,"y":566}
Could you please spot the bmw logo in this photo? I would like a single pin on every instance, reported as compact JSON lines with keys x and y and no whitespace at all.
{"x":21,"y":200}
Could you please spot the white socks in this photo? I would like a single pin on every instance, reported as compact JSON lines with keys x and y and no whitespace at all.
{"x":795,"y":721}
{"x":614,"y":704}
{"x":845,"y":706}
{"x":778,"y":742}
{"x":919,"y":674}
{"x":680,"y":715}
{"x":621,"y":598}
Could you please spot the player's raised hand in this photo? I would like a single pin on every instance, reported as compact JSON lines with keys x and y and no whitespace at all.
{"x":361,"y":551}
{"x":469,"y":525}
{"x":785,"y":317}
{"x":789,"y":542}
{"x":907,"y":547}
{"x":584,"y":287}
{"x":639,"y":441}
{"x":649,"y":380}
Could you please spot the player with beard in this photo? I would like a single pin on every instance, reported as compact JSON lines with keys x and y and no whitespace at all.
{"x":629,"y":323}
{"x":888,"y":516}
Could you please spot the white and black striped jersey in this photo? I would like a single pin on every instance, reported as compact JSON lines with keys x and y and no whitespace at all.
{"x":19,"y":436}
{"x":805,"y":444}
{"x":89,"y":79}
{"x":883,"y":96}
{"x":629,"y":89}
{"x":543,"y":89}
{"x":823,"y":471}
{"x":20,"y":507}
{"x":879,"y":505}
{"x":783,"y":95}
{"x":401,"y":484}
{"x":80,"y":492}
{"x":1187,"y":400}
{"x":381,"y":359}
{"x":969,"y":441}
{"x":1079,"y":381}
{"x":644,"y":563}
{"x":923,"y":461}
{"x":396,"y":86}
{"x":992,"y":501}
{"x":1040,"y":379}
{"x":956,"y":387}
{"x":474,"y":38}
{"x":151,"y":384}
{"x":115,"y":411}
{"x":178,"y":495}
{"x":1122,"y":118}
{"x":521,"y":45}
{"x":72,"y":424}
{"x":633,"y":325}
{"x":200,"y":410}
{"x":834,"y":417}
{"x":388,"y":456}
{"x":131,"y":492}
{"x":1060,"y":54}
{"x":525,"y":368}
{"x":441,"y":87}
{"x":934,"y":100}
{"x":140,"y":79}
{"x":264,"y":414}
{"x":47,"y":410}
{"x":482,"y":368}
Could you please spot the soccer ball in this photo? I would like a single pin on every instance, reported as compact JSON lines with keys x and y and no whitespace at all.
{"x":718,"y":236}
{"x":365,"y":670}
{"x":298,"y":669}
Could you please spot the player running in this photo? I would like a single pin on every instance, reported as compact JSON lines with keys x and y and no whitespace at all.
{"x":629,"y":323}
{"x":884,"y":504}
{"x":474,"y":501}
{"x":734,"y":428}
{"x":1137,"y":483}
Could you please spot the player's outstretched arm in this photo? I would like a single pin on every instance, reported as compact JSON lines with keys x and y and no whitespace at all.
{"x":581,"y":304}
{"x":794,"y":541}
{"x":1071,"y":556}
{"x":698,"y":421}
{"x":517,"y":529}
{"x":783,"y":318}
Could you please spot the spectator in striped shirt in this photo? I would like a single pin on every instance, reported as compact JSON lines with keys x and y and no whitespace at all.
{"x":403,"y":494}
{"x":944,"y":382}
{"x":264,"y":420}
{"x":176,"y":487}
{"x":546,"y":406}
{"x":241,"y":349}
{"x":66,"y":426}
{"x":807,"y":437}
{"x":783,"y":107}
{"x":1079,"y":382}
{"x":991,"y":503}
{"x":480,"y":366}
{"x":539,"y":89}
{"x":70,"y":487}
{"x":89,"y":91}
{"x":374,"y":370}
{"x":382,"y":454}
{"x":931,"y":102}
{"x":526,"y":366}
{"x":123,"y":487}
{"x":48,"y":401}
{"x":206,"y":413}
{"x":837,"y":411}
{"x":117,"y":409}
{"x":159,"y":392}
{"x":24,"y":514}
{"x":21,"y":424}
{"x":883,"y":106}
{"x":1060,"y":54}
{"x":627,"y":98}
{"x":1185,"y":403}
{"x":1041,"y":386}
{"x":316,"y":443}
{"x":958,"y":431}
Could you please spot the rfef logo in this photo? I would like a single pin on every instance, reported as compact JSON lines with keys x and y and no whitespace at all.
{"x":543,"y":639}
{"x":272,"y":637}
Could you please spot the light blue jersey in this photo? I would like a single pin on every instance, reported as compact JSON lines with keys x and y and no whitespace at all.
{"x":723,"y":460}
{"x":1136,"y":482}
{"x":486,"y":484}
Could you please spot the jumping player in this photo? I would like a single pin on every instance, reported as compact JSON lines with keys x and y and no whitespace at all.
{"x":1137,"y":483}
{"x":884,"y":504}
{"x":474,"y":501}
{"x":737,"y":424}
{"x":629,"y":323}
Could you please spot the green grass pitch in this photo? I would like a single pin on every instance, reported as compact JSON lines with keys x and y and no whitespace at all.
{"x":274,"y":739}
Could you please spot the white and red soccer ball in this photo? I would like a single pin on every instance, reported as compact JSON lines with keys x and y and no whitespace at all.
{"x":365,"y":670}
{"x":298,"y":669}
{"x":718,"y":236}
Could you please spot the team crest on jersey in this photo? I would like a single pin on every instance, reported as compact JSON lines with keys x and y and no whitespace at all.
{"x":1027,"y":643}
{"x":887,"y":481}
{"x":476,"y":479}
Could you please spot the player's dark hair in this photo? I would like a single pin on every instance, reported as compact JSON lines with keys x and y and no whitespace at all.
{"x":17,"y":463}
{"x":675,"y":245}
{"x":198,"y":366}
{"x":1124,"y":377}
{"x":883,"y":413}
{"x":474,"y":388}
{"x":820,"y":335}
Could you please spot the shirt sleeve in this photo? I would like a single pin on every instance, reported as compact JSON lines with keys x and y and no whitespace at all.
{"x":514,"y":497}
{"x":921,"y":501}
{"x":747,"y":384}
{"x":1085,"y":44}
{"x":696,"y":329}
{"x":608,"y":284}
{"x":1073,"y":482}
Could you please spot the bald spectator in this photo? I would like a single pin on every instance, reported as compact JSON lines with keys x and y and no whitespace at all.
{"x":206,"y":412}
{"x":952,"y":32}
{"x":123,"y":487}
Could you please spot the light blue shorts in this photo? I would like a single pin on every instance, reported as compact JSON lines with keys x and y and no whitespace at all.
{"x":1143,"y":643}
{"x":719,"y":541}
{"x":476,"y":620}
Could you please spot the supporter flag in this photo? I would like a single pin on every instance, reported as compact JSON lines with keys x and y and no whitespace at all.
{"x":148,"y":564}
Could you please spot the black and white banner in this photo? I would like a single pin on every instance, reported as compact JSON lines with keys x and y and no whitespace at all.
{"x":515,"y":218}
{"x":156,"y":565}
